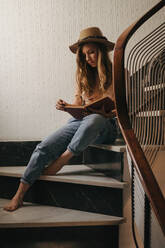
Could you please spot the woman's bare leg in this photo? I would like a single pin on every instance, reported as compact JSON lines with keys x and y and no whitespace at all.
{"x":17,"y":200}
{"x":55,"y":166}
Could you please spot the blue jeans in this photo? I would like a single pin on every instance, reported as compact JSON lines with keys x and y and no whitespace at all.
{"x":75,"y":136}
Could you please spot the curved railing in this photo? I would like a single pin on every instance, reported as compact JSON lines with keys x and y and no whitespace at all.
{"x":137,"y":113}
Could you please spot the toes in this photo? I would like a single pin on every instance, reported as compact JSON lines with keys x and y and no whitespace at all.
{"x":14,"y":204}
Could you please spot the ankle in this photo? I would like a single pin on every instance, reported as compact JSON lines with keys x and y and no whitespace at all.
{"x":21,"y":191}
{"x":18,"y":197}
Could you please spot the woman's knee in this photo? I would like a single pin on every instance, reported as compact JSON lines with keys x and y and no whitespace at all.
{"x":41,"y":148}
{"x":96,"y":121}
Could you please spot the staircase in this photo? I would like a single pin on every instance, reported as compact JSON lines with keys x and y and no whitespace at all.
{"x":82,"y":206}
{"x":139,"y":66}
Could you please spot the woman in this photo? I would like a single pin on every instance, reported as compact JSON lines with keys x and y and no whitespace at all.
{"x":94,"y":80}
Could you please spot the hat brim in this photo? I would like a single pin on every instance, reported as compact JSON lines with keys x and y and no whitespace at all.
{"x":108,"y":44}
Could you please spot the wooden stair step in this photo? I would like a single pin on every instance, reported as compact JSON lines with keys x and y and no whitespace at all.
{"x":152,"y":113}
{"x":78,"y":174}
{"x":153,"y":147}
{"x":114,"y":147}
{"x":34,"y":215}
{"x":154,"y":87}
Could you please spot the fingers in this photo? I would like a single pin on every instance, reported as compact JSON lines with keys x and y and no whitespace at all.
{"x":60,"y":105}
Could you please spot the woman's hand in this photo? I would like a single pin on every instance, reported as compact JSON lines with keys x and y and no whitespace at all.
{"x":60,"y":105}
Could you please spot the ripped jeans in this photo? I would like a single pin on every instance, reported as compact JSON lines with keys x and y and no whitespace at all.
{"x":75,"y":136}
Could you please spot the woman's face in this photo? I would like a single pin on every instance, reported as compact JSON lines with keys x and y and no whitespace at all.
{"x":90,"y":52}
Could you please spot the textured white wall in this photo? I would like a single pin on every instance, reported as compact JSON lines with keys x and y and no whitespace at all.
{"x":36,"y":66}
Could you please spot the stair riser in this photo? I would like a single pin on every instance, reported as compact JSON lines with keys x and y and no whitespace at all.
{"x":108,"y":162}
{"x":68,"y":195}
{"x":19,"y":153}
{"x":75,"y":237}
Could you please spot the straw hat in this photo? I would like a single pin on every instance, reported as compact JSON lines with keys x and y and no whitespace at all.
{"x":92,"y":34}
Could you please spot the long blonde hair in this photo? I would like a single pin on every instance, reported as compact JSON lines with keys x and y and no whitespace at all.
{"x":86,"y":75}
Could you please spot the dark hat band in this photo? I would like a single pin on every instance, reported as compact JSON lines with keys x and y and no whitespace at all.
{"x":94,"y":37}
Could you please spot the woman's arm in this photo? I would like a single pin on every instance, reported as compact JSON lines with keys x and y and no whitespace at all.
{"x":77,"y":100}
{"x":61,"y":104}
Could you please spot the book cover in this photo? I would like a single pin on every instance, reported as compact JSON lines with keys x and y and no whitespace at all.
{"x":104,"y":106}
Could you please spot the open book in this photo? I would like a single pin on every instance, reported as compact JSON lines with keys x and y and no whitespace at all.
{"x":103,"y":106}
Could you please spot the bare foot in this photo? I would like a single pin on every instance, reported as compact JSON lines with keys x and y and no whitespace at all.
{"x":13,"y":204}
